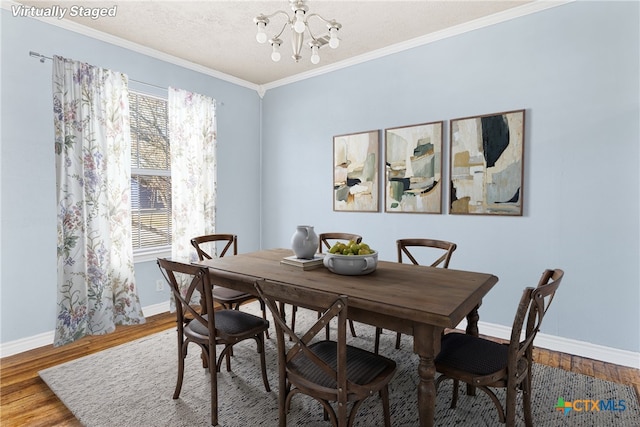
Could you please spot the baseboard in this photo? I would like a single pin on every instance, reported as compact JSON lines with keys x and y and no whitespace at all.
{"x":41,"y":340}
{"x":566,"y":345}
{"x":550,"y":342}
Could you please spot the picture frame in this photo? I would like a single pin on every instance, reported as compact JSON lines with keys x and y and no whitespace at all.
{"x":356,"y":163}
{"x":413,"y":168}
{"x":487,"y":164}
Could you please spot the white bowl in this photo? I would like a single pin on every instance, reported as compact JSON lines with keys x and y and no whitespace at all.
{"x":351,"y":265}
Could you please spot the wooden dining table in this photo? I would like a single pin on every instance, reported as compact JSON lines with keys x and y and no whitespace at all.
{"x":415,"y":300}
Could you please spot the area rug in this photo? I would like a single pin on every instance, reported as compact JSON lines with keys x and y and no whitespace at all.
{"x":132,"y":385}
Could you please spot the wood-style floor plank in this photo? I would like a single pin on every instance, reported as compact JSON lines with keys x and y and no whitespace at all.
{"x":27,"y":401}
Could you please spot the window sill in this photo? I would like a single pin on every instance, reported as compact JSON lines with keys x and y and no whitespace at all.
{"x":151,"y":254}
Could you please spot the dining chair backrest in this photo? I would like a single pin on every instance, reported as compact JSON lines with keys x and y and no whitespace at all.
{"x":412,"y":247}
{"x":186,"y":309}
{"x":326,"y":240}
{"x":207,"y":246}
{"x":531,"y":311}
{"x":328,"y":371}
{"x":423,"y":249}
{"x":330,"y":306}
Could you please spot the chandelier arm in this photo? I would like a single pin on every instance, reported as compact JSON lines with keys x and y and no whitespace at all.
{"x":277,"y":12}
{"x":284,"y":26}
{"x":329,"y":22}
{"x":314,"y":38}
{"x":326,"y":21}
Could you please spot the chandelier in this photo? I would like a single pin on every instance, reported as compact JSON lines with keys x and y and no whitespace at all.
{"x":298,"y":25}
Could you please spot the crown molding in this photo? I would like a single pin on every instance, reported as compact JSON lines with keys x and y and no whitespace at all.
{"x":120,"y":42}
{"x":517,"y":12}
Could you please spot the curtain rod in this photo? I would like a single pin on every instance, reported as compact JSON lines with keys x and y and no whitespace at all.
{"x":43,"y":57}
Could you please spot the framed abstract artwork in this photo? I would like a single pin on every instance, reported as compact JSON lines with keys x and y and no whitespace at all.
{"x":355,"y":172}
{"x":487,"y":164}
{"x":413,"y":168}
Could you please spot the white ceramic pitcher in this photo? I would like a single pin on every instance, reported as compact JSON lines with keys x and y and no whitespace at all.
{"x":304,"y":242}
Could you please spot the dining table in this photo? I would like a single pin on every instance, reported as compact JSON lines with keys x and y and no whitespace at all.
{"x":411,"y":299}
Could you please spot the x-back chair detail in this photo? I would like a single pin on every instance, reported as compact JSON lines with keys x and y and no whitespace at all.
{"x":200,"y":324}
{"x":328,"y":371}
{"x":404,"y":248}
{"x":228,"y":298}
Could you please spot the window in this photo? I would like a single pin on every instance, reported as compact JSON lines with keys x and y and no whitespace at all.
{"x":150,"y":174}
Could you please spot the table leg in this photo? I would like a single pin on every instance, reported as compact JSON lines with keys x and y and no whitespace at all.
{"x":472,"y":329}
{"x":426,"y":343}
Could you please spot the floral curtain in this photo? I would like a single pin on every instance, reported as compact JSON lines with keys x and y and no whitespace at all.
{"x":96,"y":287}
{"x":192,"y":130}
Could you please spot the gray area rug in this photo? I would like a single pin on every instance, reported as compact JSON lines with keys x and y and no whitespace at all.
{"x":132,"y":385}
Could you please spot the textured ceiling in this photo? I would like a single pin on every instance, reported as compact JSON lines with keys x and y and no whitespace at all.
{"x":220,"y":35}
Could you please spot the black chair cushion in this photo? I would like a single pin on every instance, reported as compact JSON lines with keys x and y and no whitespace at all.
{"x":472,"y":354}
{"x":362,"y":366}
{"x":230,"y":322}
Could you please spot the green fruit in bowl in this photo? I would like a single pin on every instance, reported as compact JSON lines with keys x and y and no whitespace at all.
{"x":351,"y":248}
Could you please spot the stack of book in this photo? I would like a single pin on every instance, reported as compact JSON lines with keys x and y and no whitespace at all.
{"x":305,"y":264}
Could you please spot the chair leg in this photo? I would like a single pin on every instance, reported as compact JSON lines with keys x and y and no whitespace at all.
{"x":225,"y":353}
{"x":294,"y":310}
{"x":229,"y":358}
{"x":398,"y":335}
{"x":264,"y":315}
{"x":384,"y":395}
{"x":214,"y":385}
{"x":205,"y":360}
{"x":510,"y":406}
{"x":353,"y":329}
{"x":526,"y":401}
{"x":454,"y":397}
{"x":181,"y":355}
{"x":376,"y":345}
{"x":263,"y":363}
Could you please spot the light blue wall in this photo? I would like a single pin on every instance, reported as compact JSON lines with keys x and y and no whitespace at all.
{"x":28,"y":227}
{"x":575,"y":70}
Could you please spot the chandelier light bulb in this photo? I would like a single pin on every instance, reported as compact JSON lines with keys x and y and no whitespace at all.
{"x":315,"y":57}
{"x":299,"y":25}
{"x":334,"y":41}
{"x":275,"y":55}
{"x":261,"y":37}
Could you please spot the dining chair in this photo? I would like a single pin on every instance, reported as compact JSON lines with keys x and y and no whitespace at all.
{"x":200,"y":324}
{"x":328,"y":371}
{"x":484,"y":363}
{"x":420,"y":248}
{"x":227,"y":298}
{"x":326,"y":241}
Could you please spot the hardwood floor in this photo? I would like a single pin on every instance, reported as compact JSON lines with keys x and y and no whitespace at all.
{"x":27,"y":401}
